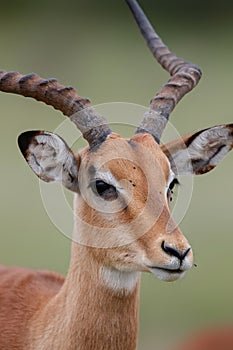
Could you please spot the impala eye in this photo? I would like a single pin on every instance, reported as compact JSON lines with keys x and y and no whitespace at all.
{"x":171,"y":189}
{"x":104,"y":190}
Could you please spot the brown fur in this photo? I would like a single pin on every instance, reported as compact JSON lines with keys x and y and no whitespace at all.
{"x":219,"y":338}
{"x":96,"y":306}
{"x":39,"y":311}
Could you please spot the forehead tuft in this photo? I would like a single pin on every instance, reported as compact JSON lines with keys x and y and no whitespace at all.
{"x":120,"y":156}
{"x":147,"y":141}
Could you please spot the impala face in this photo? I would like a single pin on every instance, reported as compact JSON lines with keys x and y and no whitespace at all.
{"x":123,"y":206}
{"x":122,"y":186}
{"x":121,"y":203}
{"x":122,"y":193}
{"x":123,"y":225}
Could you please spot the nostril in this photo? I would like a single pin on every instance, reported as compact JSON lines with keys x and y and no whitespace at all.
{"x":170,"y":250}
{"x":186,"y":252}
{"x":174,"y":251}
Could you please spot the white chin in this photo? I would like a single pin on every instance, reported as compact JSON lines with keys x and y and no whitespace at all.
{"x":167,"y":275}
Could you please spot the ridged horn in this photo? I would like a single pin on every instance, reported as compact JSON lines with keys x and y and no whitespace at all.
{"x":65,"y":99}
{"x":184,"y":77}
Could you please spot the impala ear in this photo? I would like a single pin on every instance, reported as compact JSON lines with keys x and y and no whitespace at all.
{"x":50,"y":158}
{"x":200,"y":152}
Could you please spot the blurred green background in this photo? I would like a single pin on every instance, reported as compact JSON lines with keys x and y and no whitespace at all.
{"x":96,"y":47}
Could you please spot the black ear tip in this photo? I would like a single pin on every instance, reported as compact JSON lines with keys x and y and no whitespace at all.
{"x":25,"y":139}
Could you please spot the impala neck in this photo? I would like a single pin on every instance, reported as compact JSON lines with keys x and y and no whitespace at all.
{"x":109,"y":312}
{"x":92,"y":313}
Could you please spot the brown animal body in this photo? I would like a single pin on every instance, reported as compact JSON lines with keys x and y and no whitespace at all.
{"x":122,"y":220}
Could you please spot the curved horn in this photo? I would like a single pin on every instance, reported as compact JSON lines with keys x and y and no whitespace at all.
{"x":184,"y":77}
{"x":92,"y":125}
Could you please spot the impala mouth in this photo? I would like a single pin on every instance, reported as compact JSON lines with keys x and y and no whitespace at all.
{"x":169,"y":270}
{"x":166,"y":274}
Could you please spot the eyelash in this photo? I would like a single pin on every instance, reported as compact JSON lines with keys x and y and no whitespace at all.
{"x":109,"y":192}
{"x":104,"y":190}
{"x":170,"y":189}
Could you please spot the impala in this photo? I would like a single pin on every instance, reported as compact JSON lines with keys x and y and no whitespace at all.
{"x":122,"y":220}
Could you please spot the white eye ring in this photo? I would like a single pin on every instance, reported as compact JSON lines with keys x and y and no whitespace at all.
{"x":170,"y":180}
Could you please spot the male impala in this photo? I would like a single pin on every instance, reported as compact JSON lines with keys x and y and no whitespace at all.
{"x":122,"y":223}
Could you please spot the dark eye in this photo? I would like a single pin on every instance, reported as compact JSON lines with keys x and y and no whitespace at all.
{"x":104,"y":190}
{"x":171,"y":188}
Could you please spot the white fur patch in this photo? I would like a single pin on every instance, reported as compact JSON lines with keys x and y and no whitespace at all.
{"x":107,"y":177}
{"x":52,"y":160}
{"x":119,"y":280}
{"x":170,"y":179}
{"x":207,"y":149}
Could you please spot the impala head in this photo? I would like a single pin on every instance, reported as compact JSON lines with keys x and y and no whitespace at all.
{"x":122,"y":186}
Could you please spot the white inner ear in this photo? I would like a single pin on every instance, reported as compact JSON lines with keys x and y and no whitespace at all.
{"x":206,"y":150}
{"x":52,"y":160}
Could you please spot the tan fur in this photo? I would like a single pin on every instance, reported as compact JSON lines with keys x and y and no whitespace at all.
{"x":41,"y":311}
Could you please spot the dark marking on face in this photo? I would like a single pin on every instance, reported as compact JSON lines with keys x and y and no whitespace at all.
{"x":92,"y":171}
{"x":133,"y":184}
{"x":132,"y":143}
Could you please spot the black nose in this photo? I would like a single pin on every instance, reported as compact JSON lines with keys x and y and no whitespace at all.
{"x":174,"y":251}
